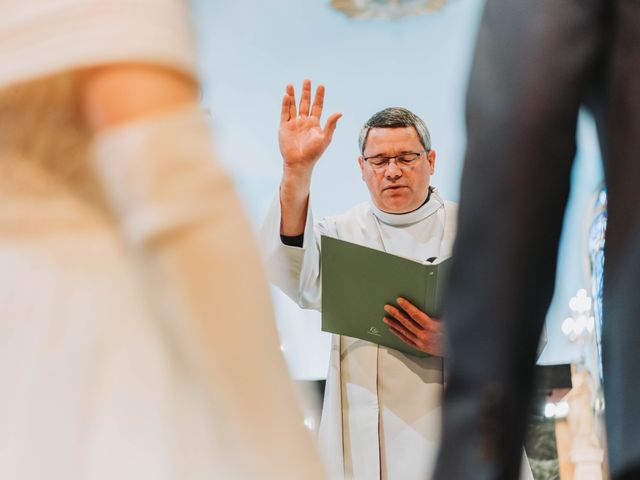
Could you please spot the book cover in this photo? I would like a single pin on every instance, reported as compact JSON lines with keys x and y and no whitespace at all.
{"x":358,"y":281}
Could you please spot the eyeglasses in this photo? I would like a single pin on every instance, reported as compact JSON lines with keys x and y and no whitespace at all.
{"x":403,"y":161}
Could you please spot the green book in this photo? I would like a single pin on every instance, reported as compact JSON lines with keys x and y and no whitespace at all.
{"x":357,"y":282}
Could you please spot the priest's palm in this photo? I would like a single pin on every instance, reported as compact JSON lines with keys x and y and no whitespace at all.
{"x":302,"y":138}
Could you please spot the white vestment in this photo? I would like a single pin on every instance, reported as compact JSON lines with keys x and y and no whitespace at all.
{"x":382,"y":408}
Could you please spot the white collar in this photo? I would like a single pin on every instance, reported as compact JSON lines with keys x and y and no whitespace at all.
{"x":404,"y":219}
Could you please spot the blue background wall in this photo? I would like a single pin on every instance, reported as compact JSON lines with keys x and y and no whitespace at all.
{"x":250,"y":49}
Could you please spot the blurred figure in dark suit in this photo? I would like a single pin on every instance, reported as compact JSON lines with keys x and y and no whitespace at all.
{"x":536,"y":64}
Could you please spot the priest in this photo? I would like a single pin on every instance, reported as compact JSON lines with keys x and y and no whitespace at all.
{"x":381,"y":413}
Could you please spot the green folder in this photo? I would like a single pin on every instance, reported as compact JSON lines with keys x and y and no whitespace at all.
{"x":358,"y":281}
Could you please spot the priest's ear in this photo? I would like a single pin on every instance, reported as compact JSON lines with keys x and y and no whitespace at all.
{"x":431,"y":161}
{"x":361,"y":163}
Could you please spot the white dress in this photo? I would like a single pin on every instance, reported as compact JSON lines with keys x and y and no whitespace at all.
{"x":139,"y":343}
{"x":382,"y":410}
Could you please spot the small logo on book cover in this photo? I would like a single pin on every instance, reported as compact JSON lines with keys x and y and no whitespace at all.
{"x":374,"y":331}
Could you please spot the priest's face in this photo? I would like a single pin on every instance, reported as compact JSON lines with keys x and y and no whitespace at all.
{"x":400,"y":184}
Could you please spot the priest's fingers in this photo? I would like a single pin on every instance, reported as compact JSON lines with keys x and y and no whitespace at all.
{"x":285,"y":115}
{"x":403,"y":336}
{"x":415,"y":313}
{"x":428,"y":342}
{"x":408,"y":323}
{"x":318,"y":102}
{"x":292,"y":101}
{"x":330,"y":126}
{"x":305,"y":98}
{"x":393,"y":323}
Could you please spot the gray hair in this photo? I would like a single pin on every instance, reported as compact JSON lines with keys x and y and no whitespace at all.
{"x":395,"y":117}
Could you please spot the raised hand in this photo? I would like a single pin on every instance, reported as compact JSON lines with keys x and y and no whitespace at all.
{"x":302,"y":139}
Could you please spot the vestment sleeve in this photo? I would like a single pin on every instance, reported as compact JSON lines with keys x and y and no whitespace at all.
{"x":295,"y":270}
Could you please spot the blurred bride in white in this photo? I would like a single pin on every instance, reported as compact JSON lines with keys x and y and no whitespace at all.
{"x":136,"y":333}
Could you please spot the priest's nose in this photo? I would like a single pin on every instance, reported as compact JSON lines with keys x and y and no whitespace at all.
{"x":393,"y":171}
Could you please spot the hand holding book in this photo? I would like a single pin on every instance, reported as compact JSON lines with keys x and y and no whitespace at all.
{"x":359,"y":284}
{"x":415,"y":327}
